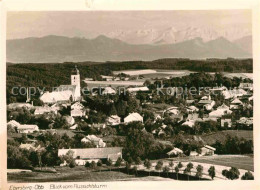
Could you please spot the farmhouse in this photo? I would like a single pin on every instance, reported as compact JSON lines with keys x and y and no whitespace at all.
{"x":133,"y":117}
{"x":88,"y":154}
{"x":138,"y":89}
{"x":13,"y":123}
{"x":225,"y":123}
{"x":113,"y":120}
{"x":175,"y":152}
{"x":219,"y":113}
{"x":20,"y":105}
{"x":207,"y":150}
{"x":45,"y":109}
{"x":108,"y":90}
{"x":246,"y":86}
{"x":27,"y":128}
{"x":94,"y":139}
{"x":236,"y":104}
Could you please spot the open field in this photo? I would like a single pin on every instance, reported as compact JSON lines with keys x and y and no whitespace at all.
{"x":66,"y":174}
{"x":220,"y":135}
{"x":239,"y":161}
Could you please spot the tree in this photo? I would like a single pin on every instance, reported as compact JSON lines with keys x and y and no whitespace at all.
{"x":109,"y":163}
{"x":180,"y":165}
{"x":99,"y":163}
{"x":127,"y":167}
{"x":212,"y":172}
{"x":248,"y":176}
{"x":199,"y":171}
{"x":159,"y":166}
{"x":177,"y":171}
{"x":138,"y":143}
{"x":135,"y":170}
{"x":87,"y":164}
{"x":148,"y":165}
{"x":118,"y":162}
{"x":171,"y":164}
{"x":188,"y":169}
{"x":166,"y":169}
{"x":232,"y":173}
{"x":138,"y":161}
{"x":93,"y":165}
{"x":72,"y":164}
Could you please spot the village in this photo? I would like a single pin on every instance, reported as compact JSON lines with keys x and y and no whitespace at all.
{"x":126,"y":124}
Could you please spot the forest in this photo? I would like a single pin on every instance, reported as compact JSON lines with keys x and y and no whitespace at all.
{"x":54,"y":74}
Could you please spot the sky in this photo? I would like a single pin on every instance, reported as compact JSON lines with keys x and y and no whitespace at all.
{"x":90,"y":24}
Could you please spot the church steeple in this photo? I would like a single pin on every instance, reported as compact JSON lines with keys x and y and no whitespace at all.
{"x":75,"y":80}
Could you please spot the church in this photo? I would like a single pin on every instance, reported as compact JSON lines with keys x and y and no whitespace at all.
{"x":65,"y":93}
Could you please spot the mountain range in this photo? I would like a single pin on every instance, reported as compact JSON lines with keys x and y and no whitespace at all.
{"x":102,"y":48}
{"x":175,"y":35}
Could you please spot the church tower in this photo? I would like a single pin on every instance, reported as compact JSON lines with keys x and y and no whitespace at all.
{"x":75,"y":80}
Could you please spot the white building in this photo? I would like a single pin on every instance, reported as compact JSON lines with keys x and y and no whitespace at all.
{"x":65,"y":93}
{"x":133,"y":117}
{"x":97,"y":141}
{"x":27,"y":128}
{"x":113,"y":120}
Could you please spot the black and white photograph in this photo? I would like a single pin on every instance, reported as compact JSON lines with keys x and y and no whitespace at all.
{"x":123,"y":96}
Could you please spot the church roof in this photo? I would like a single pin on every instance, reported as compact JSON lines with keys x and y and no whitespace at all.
{"x":75,"y":71}
{"x":62,"y":88}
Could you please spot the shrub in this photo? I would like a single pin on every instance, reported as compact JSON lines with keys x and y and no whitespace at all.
{"x":248,"y":176}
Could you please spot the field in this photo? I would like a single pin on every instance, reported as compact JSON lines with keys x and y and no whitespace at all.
{"x":153,"y":74}
{"x":79,"y":173}
{"x":66,"y":174}
{"x":239,"y":161}
{"x":213,"y":137}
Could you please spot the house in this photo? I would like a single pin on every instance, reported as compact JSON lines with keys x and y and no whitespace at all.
{"x":192,"y":109}
{"x":94,"y":139}
{"x":245,"y":121}
{"x":77,"y":110}
{"x":133,"y":117}
{"x":193,"y":116}
{"x":109,"y":90}
{"x":74,"y":127}
{"x":246,"y":86}
{"x":206,"y":103}
{"x":13,"y":123}
{"x":175,"y":152}
{"x":189,"y":123}
{"x":225,"y":122}
{"x":220,"y":112}
{"x":236,"y":104}
{"x":89,"y":154}
{"x":98,"y":125}
{"x":107,"y":78}
{"x":77,"y":106}
{"x":138,"y":89}
{"x":20,"y":105}
{"x":40,"y":110}
{"x":77,"y":113}
{"x":189,"y":102}
{"x":207,"y":150}
{"x":27,"y":128}
{"x":113,"y":120}
{"x":70,"y":120}
{"x":172,"y":110}
{"x":193,"y":153}
{"x":29,"y":147}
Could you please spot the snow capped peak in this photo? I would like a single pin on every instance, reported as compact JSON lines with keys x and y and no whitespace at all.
{"x":171,"y":34}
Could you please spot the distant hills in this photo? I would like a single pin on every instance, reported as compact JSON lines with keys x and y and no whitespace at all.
{"x":102,"y":48}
